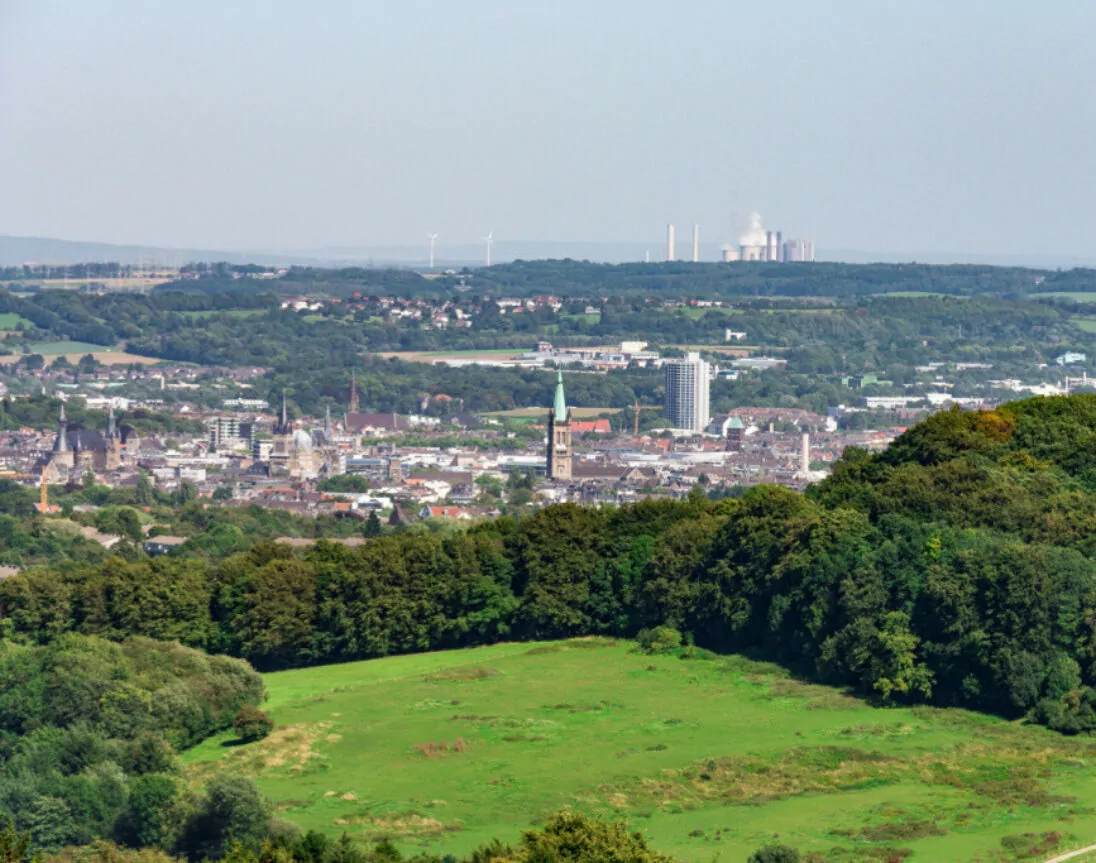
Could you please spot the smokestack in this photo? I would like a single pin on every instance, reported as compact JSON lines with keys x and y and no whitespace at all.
{"x":769,"y":246}
{"x":696,"y":243}
{"x":670,"y":242}
{"x":780,"y":246}
{"x":805,"y":454}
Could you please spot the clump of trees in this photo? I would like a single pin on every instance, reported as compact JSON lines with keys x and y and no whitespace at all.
{"x":89,"y":734}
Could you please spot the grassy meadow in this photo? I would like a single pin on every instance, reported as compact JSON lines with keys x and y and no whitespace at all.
{"x":710,"y":757}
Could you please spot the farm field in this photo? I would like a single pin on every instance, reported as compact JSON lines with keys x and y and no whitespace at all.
{"x":9,"y":320}
{"x":1076,"y":296}
{"x":1085,"y":323}
{"x":711,"y":758}
{"x":73,"y":351}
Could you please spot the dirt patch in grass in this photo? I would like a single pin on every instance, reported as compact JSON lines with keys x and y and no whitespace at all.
{"x":900,"y":830}
{"x":573,"y":644}
{"x":1031,"y":846}
{"x":291,"y":750}
{"x":463,"y":672}
{"x":442,"y":748}
{"x":580,"y":708}
{"x":1006,"y":775}
{"x":397,"y":825}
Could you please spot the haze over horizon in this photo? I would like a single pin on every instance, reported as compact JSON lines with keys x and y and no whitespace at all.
{"x":268,"y":126}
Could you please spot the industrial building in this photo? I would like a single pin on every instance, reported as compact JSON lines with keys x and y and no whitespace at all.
{"x":758,"y":244}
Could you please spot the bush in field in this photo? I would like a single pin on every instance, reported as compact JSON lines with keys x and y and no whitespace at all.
{"x":660,"y":639}
{"x":252,"y":724}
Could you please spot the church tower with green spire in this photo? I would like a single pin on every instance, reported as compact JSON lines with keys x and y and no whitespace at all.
{"x":560,"y":450}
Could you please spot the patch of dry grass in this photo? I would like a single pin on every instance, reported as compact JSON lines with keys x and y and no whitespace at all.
{"x":462,"y":673}
{"x":288,"y":751}
{"x":442,"y":748}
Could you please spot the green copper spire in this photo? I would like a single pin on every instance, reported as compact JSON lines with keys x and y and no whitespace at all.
{"x":560,"y":407}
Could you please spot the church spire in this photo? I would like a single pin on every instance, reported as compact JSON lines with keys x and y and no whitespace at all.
{"x":112,"y":427}
{"x":60,"y":444}
{"x":560,"y":406}
{"x":352,"y":401}
{"x":285,"y":412}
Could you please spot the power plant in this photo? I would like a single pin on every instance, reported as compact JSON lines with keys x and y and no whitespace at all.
{"x":758,"y":244}
{"x":755,"y":244}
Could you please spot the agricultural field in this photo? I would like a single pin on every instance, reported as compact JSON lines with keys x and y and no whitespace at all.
{"x":9,"y":321}
{"x":710,"y":757}
{"x":1084,"y":322}
{"x":1076,"y":296}
{"x":73,"y":351}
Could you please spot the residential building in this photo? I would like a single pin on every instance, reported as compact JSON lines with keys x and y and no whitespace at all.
{"x":687,"y":382}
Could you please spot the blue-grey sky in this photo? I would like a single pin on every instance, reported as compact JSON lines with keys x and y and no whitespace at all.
{"x":935,"y":125}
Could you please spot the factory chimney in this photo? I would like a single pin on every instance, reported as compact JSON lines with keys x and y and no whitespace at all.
{"x":769,"y":256}
{"x":780,"y":246}
{"x":805,"y":454}
{"x":670,"y":242}
{"x":696,"y":243}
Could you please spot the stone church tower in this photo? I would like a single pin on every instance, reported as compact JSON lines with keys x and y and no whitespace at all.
{"x":560,"y":450}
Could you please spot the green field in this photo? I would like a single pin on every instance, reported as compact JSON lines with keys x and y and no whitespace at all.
{"x":592,"y":318}
{"x":1076,"y":296}
{"x":9,"y":320}
{"x":51,"y":348}
{"x":1084,"y":323}
{"x":711,"y":758}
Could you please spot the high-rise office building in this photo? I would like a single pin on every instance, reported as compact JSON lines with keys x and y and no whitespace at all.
{"x":687,"y":383}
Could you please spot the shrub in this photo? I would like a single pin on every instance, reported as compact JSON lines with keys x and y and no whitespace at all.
{"x":252,"y":724}
{"x":660,"y":639}
{"x":775,"y":854}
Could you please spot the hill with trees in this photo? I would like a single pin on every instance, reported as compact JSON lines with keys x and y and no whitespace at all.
{"x":955,"y":568}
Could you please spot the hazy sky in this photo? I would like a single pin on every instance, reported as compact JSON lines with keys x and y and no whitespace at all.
{"x":925,"y":125}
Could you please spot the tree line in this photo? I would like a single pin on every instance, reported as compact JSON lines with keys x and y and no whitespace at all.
{"x":956,"y":568}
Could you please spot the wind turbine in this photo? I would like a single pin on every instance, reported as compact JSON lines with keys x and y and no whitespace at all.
{"x":490,"y":242}
{"x":433,"y":239}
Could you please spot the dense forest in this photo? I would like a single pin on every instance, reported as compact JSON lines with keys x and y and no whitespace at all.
{"x":956,"y":568}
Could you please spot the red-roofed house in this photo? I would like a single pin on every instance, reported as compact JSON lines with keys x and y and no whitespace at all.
{"x":600,"y":426}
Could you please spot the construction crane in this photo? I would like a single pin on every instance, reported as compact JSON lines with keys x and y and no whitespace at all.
{"x":637,"y":407}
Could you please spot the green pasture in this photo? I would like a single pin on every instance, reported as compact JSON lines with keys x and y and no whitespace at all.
{"x":50,"y":348}
{"x":1084,"y":323}
{"x":711,"y":758}
{"x":1076,"y":296}
{"x":9,"y":320}
{"x":592,"y":318}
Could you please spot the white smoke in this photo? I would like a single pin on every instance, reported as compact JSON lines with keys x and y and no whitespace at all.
{"x":754,"y":235}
